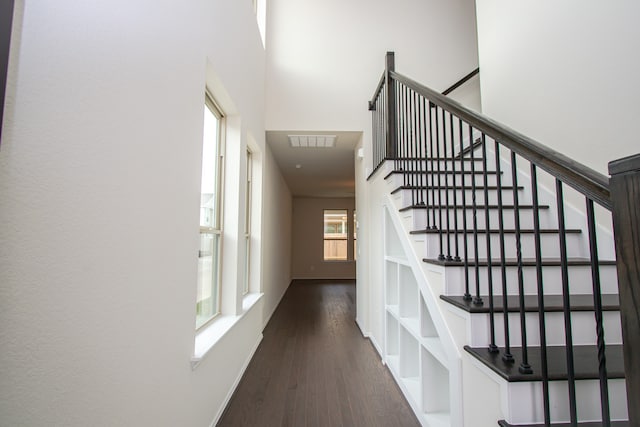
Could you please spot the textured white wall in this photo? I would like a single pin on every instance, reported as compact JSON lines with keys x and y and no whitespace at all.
{"x":276,"y":243}
{"x":99,"y":183}
{"x":564,"y":73}
{"x":325,"y":58}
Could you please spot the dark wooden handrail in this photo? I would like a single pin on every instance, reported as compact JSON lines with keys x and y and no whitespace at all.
{"x":592,"y":184}
{"x":377,"y":91}
{"x":6,"y":19}
{"x":460,"y":82}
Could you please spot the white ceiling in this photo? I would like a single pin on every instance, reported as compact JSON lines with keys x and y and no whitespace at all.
{"x":324,"y":172}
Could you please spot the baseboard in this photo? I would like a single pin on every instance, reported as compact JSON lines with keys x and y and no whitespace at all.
{"x":227,"y":399}
{"x":372,"y":339}
{"x":362,"y":331}
{"x":275,"y":307}
{"x":324,"y":278}
{"x":377,"y":347}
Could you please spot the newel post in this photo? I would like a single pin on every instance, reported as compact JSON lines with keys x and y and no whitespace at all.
{"x":625,"y":197}
{"x":391,"y":148}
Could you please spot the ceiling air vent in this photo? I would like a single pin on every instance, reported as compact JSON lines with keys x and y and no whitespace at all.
{"x":312,"y":141}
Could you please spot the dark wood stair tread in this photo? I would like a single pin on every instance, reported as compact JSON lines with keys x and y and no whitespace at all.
{"x":512,"y":262}
{"x":507,"y":231}
{"x":435,"y":159}
{"x":451,"y":187}
{"x":448,"y":172}
{"x":503,"y":423}
{"x":552,"y":303}
{"x":585,"y":359}
{"x":478,"y":207}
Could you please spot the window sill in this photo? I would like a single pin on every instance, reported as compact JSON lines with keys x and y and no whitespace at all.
{"x":207,"y":338}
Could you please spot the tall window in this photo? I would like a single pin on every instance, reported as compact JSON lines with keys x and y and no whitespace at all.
{"x":355,"y":236}
{"x":335,"y":235}
{"x":208,"y":293}
{"x":247,"y":224}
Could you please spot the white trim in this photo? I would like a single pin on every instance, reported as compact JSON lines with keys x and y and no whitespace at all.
{"x":378,"y":348}
{"x":275,"y":306}
{"x":207,"y":337}
{"x":371,"y":338}
{"x":232,"y":390}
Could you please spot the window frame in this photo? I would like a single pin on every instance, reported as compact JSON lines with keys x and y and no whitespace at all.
{"x":217,"y":228}
{"x":346,"y":238}
{"x":247,"y":222}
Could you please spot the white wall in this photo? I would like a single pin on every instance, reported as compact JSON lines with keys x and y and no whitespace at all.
{"x":325,"y":58}
{"x":99,"y":195}
{"x":276,"y":243}
{"x":564,"y":73}
{"x":308,"y":261}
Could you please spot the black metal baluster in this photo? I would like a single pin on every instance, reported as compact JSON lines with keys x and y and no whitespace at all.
{"x":432,"y":172}
{"x":441,"y":256}
{"x":507,"y":356}
{"x":408,"y":146}
{"x":411,"y":141}
{"x":425,"y":111}
{"x":597,"y":302}
{"x":467,"y":294}
{"x":566,"y":299}
{"x":403,"y":135}
{"x":415,"y":145}
{"x":382,"y":154}
{"x":377,"y":132}
{"x":525,"y":367}
{"x":487,"y":234}
{"x":398,"y":130}
{"x":455,"y":191}
{"x":420,"y":142}
{"x":477,"y":299}
{"x":544,"y":369}
{"x":446,"y":183}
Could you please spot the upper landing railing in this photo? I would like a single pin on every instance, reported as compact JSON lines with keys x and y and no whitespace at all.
{"x":442,"y":149}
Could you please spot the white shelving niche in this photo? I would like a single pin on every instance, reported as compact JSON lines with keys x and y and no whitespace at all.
{"x":414,"y":350}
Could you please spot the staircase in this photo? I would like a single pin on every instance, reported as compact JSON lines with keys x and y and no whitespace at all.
{"x":500,"y":276}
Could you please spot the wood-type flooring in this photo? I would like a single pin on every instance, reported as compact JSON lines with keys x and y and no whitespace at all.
{"x":314,"y":368}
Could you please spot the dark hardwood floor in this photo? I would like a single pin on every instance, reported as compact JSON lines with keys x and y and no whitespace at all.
{"x":314,"y":368}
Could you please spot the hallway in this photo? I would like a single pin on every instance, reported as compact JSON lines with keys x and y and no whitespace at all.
{"x":314,"y":368}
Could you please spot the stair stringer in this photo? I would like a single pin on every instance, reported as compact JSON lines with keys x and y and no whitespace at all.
{"x":403,"y":255}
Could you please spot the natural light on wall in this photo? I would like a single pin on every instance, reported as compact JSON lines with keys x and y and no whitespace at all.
{"x":260,"y":9}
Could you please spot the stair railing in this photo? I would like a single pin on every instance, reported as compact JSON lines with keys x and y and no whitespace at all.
{"x":441,"y":148}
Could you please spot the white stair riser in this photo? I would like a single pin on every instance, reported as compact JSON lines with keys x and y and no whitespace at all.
{"x":547,"y":218}
{"x":413,"y":197}
{"x":438,"y":179}
{"x":520,"y":410}
{"x":442,"y":164}
{"x":583,"y":329}
{"x":548,"y":243}
{"x":580,"y":281}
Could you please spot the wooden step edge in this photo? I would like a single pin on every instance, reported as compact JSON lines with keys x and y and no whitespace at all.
{"x":552,"y":303}
{"x":478,"y":188}
{"x":585,"y":362}
{"x":503,"y":423}
{"x":442,"y":172}
{"x":512,"y":262}
{"x":478,"y":207}
{"x":507,"y":231}
{"x":435,"y":159}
